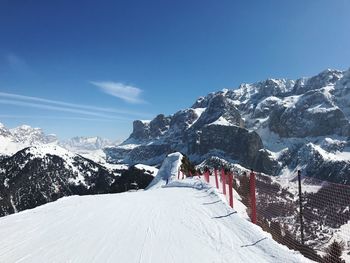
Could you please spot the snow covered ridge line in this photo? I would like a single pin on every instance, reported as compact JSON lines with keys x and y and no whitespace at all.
{"x":37,"y":175}
{"x":14,"y":140}
{"x":264,"y":125}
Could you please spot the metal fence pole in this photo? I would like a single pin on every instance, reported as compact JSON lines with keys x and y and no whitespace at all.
{"x":230,"y":189}
{"x":301,"y":209}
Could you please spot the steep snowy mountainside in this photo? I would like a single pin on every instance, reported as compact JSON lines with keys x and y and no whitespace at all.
{"x":40,"y":174}
{"x":13,"y":140}
{"x":28,"y":135}
{"x":16,"y":139}
{"x":193,"y":132}
{"x":264,"y":125}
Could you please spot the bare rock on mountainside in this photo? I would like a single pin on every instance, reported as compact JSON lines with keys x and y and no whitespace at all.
{"x":196,"y":132}
{"x":263,"y":125}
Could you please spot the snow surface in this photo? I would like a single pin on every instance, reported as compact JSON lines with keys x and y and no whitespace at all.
{"x":198,"y":112}
{"x":168,"y":171}
{"x":153,"y":170}
{"x":184,"y":221}
{"x":98,"y":156}
{"x":9,"y":147}
{"x":172,"y":224}
{"x":221,"y":121}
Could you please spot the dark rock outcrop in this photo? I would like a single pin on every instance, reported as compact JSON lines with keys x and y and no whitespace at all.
{"x":237,"y":143}
{"x":285,"y":115}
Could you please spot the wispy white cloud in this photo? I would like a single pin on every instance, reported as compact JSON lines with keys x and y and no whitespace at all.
{"x":63,"y":106}
{"x":10,"y":116}
{"x":58,"y":108}
{"x":127,"y":93}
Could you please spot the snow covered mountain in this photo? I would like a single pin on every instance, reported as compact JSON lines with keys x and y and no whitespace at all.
{"x":30,"y":136}
{"x":16,"y":139}
{"x":89,"y":147}
{"x":187,"y":221}
{"x":40,"y":174}
{"x":76,"y":144}
{"x":13,"y":140}
{"x":275,"y":126}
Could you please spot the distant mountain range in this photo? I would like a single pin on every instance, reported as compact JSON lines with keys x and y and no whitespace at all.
{"x":275,"y":126}
{"x":86,"y":143}
{"x":36,"y":168}
{"x":13,"y":140}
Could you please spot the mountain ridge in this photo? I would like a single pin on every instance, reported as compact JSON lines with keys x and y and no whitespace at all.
{"x":274,"y":120}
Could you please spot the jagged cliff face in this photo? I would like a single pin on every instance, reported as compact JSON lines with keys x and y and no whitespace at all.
{"x":212,"y":126}
{"x":265,"y":125}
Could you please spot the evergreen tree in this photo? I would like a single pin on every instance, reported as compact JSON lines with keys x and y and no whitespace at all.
{"x":334,"y":252}
{"x":187,"y":167}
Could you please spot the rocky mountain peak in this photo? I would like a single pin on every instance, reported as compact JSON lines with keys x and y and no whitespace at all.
{"x":30,"y":136}
{"x":220,"y":106}
{"x":81,"y":143}
{"x":4,"y":132}
{"x":325,"y":78}
{"x":279,"y":116}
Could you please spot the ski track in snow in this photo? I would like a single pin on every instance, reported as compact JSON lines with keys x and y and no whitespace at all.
{"x":172,"y":224}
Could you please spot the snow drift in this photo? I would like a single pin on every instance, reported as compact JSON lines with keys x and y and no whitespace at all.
{"x":168,"y":171}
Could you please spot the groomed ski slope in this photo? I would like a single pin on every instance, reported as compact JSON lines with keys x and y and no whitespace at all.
{"x":185,"y":221}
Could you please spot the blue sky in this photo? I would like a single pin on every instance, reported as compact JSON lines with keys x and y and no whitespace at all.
{"x":92,"y":67}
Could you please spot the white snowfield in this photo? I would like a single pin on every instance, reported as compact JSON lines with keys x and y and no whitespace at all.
{"x":184,"y":221}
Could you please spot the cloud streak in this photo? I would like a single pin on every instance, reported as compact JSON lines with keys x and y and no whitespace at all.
{"x":9,"y":116}
{"x":127,"y":93}
{"x":37,"y":102}
{"x":72,"y":105}
{"x":57,"y":108}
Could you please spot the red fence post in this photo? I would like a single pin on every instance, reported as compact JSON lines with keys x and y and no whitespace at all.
{"x":223,"y":179}
{"x":230,"y":189}
{"x":216,"y":179}
{"x":252,"y":196}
